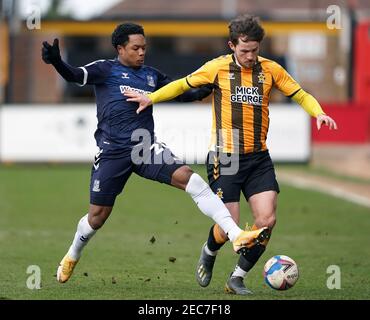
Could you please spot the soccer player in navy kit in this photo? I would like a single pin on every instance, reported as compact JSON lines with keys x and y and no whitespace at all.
{"x":126,"y":141}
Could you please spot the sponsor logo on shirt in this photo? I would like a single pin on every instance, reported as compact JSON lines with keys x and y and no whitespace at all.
{"x":248,"y":95}
{"x":128,"y":88}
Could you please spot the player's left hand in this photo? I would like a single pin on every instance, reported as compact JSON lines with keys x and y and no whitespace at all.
{"x":50,"y":53}
{"x":141,"y":99}
{"x":323,"y":118}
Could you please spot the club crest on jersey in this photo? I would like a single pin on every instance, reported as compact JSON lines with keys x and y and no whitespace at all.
{"x":231,"y":76}
{"x":261,"y":77}
{"x":220,"y":193}
{"x":96,"y":187}
{"x":150,"y":80}
{"x":125,"y":75}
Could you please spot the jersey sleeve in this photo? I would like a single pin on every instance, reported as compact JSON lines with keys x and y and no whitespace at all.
{"x":189,"y":95}
{"x":163,"y":79}
{"x":284,"y":81}
{"x":204,"y":75}
{"x":95,"y":72}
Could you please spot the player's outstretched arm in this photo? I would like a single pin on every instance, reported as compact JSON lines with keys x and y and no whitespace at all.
{"x":196,"y":94}
{"x":168,"y":92}
{"x":312,"y":106}
{"x":51,"y":55}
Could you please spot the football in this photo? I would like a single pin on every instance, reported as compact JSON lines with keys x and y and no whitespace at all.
{"x":281,"y":272}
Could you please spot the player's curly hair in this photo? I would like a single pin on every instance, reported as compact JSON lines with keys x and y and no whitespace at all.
{"x":122,"y":31}
{"x":245,"y":26}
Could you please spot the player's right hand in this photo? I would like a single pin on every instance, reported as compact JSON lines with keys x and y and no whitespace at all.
{"x":324,"y":119}
{"x":141,"y":99}
{"x":50,"y":53}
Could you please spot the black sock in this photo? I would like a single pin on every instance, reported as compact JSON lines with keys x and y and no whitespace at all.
{"x":249,"y":257}
{"x":211,"y":242}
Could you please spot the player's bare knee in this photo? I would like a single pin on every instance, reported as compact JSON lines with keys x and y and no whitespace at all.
{"x":97,"y":222}
{"x":266,"y":221}
{"x":181,"y":177}
{"x":98,"y":215}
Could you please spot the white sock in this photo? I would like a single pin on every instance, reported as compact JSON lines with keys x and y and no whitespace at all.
{"x":82,"y":236}
{"x":212,"y":206}
{"x":239,"y":272}
{"x":210,"y":252}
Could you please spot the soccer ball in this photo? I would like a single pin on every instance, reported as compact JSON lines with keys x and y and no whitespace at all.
{"x":281,"y":272}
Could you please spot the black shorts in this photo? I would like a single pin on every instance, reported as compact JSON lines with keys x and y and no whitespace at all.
{"x":110,"y":174}
{"x":229,"y":174}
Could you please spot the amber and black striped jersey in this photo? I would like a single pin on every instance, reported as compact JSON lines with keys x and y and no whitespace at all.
{"x":240,"y":101}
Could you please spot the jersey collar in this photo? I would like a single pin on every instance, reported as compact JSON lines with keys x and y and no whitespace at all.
{"x":132,"y":68}
{"x":235,"y":59}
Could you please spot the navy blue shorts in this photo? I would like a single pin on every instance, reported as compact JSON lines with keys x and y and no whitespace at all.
{"x":251,"y":173}
{"x":110,"y":174}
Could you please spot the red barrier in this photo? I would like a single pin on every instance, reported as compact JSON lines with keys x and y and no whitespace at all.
{"x":361,"y":72}
{"x":353,"y":119}
{"x":353,"y":122}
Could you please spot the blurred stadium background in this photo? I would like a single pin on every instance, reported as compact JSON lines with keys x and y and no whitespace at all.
{"x":324,"y":44}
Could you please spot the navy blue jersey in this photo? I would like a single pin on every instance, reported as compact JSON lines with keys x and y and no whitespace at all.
{"x":117,"y":118}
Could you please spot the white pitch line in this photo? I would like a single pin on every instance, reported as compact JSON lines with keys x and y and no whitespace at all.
{"x":304,"y":183}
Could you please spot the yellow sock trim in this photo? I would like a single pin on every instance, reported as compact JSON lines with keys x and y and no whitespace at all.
{"x":218,"y":235}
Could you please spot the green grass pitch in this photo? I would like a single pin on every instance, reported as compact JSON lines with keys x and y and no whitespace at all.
{"x":41,"y":205}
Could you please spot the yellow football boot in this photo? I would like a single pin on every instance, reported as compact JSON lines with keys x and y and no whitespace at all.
{"x":65,"y":269}
{"x":248,"y":238}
